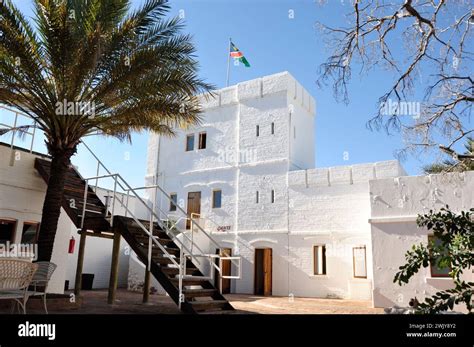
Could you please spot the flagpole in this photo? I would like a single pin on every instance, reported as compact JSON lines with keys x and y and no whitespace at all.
{"x":228,"y":63}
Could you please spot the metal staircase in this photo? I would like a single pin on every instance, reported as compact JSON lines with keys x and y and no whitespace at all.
{"x":169,"y":253}
{"x":162,"y":242}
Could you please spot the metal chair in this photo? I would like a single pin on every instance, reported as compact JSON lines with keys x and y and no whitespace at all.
{"x":15,"y":277}
{"x":41,"y":279}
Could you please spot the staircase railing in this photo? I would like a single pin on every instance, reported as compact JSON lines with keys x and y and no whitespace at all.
{"x":119,"y":182}
{"x":193,"y":252}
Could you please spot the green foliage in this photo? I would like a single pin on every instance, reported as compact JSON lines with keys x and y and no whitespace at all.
{"x":135,"y":67}
{"x":458,"y":165}
{"x":454,"y":250}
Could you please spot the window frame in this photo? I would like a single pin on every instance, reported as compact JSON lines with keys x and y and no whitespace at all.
{"x":214,"y":191}
{"x":173,"y":204}
{"x":15,"y":225}
{"x":324,"y":260}
{"x":431,"y":237}
{"x":186,"y":144}
{"x":353,"y":261}
{"x":200,"y":140}
{"x":30,"y":223}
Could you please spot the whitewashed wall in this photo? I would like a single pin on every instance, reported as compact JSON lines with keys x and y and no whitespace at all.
{"x":315,"y":206}
{"x":22,"y":193}
{"x":21,"y":199}
{"x":395,"y":203}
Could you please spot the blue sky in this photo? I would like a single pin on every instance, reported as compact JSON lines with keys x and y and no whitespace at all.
{"x":273,"y":42}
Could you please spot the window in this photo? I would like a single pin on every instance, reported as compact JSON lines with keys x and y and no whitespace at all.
{"x":216,"y":199}
{"x":273,"y":196}
{"x":273,"y":128}
{"x":7,"y":230}
{"x":29,"y":234}
{"x":435,"y":270}
{"x":189,"y":142}
{"x":256,"y":197}
{"x":202,"y":140}
{"x":359,"y":262}
{"x":319,"y":256}
{"x":258,"y":130}
{"x":173,"y":201}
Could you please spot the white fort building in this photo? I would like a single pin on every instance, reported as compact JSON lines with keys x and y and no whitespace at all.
{"x":247,"y":177}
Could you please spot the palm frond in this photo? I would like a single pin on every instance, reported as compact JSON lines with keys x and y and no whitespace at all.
{"x":137,"y":69}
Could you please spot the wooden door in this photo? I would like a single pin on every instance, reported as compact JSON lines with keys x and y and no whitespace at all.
{"x":194,"y":206}
{"x":263,"y":271}
{"x":226,"y":271}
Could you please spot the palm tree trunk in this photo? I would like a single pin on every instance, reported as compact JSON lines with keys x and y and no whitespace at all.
{"x":52,"y":203}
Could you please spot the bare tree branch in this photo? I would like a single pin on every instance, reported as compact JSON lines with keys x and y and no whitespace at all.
{"x":438,"y":55}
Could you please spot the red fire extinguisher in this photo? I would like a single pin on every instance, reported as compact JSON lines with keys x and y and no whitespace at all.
{"x":72,"y":243}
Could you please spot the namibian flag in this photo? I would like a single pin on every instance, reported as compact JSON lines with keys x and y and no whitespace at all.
{"x":238,"y":55}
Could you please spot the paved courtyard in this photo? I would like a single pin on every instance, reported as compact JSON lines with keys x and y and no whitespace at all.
{"x":285,"y":305}
{"x":95,"y":302}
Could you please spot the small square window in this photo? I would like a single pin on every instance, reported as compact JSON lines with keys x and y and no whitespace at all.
{"x":7,"y":231}
{"x":173,"y":201}
{"x":258,"y":130}
{"x":216,"y":199}
{"x":319,"y":259}
{"x":189,"y":142}
{"x":29,"y":234}
{"x":202,"y":140}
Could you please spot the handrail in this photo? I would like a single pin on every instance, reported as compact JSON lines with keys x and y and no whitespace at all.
{"x":165,"y":226}
{"x":184,"y":212}
{"x":156,"y":186}
{"x":181,"y":233}
{"x":14,"y":127}
{"x":132,"y":215}
{"x":124,"y":186}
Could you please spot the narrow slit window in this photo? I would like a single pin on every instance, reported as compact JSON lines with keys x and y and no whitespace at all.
{"x":173,"y":201}
{"x":189,"y":142}
{"x":273,"y":128}
{"x":216,"y":199}
{"x":273,"y":196}
{"x":256,"y":197}
{"x":258,"y":130}
{"x":319,"y":256}
{"x":360,"y":263}
{"x":202,"y":140}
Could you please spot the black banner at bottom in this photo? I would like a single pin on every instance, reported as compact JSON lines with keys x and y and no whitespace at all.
{"x":380,"y":330}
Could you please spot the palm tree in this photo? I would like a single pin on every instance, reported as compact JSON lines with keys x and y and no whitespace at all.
{"x":121,"y":70}
{"x":461,"y":163}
